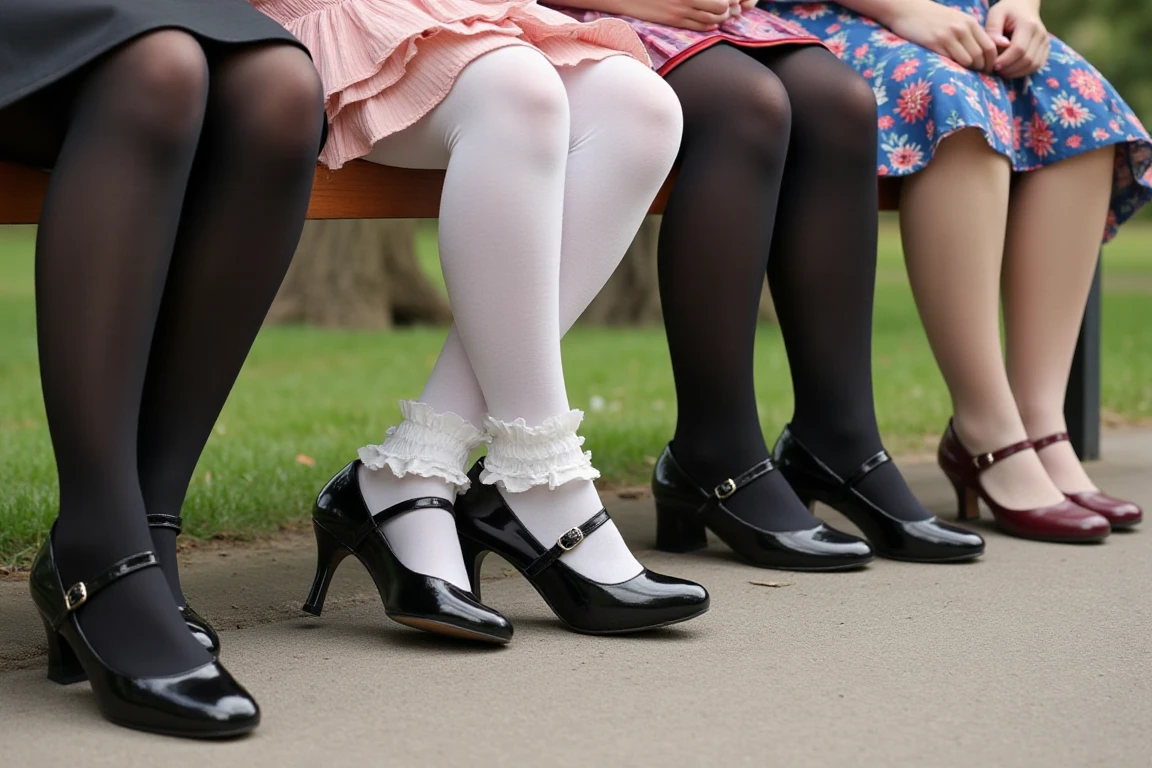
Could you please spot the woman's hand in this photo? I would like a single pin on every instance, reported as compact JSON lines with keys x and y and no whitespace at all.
{"x":1029,"y":44}
{"x":948,"y":32}
{"x":700,"y":15}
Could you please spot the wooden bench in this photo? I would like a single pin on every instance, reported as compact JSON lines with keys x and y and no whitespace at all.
{"x":362,"y":190}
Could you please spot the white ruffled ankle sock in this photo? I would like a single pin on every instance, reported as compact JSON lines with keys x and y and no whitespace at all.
{"x":425,"y":455}
{"x":546,"y":478}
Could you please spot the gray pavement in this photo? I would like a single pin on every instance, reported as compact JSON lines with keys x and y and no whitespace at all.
{"x":1037,"y":655}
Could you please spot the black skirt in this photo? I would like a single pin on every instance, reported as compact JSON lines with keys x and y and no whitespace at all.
{"x":43,"y":41}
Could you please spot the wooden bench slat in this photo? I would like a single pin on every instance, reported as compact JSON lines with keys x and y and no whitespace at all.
{"x":360,"y":190}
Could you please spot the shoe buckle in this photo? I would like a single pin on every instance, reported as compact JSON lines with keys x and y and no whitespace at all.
{"x":570,"y":539}
{"x":725,"y":489}
{"x":76,"y":596}
{"x":984,"y":460}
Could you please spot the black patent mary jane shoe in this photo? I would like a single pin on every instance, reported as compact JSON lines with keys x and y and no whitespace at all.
{"x":197,"y":624}
{"x":684,"y":512}
{"x":344,"y":526}
{"x":205,"y":702}
{"x":922,"y":541}
{"x":646,"y":601}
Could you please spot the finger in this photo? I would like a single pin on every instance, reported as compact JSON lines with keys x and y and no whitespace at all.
{"x":968,"y":40}
{"x":711,"y":20}
{"x":710,"y":6}
{"x":957,"y":52}
{"x":748,"y":4}
{"x":994,"y":24}
{"x":987,"y":48}
{"x":1008,"y":62}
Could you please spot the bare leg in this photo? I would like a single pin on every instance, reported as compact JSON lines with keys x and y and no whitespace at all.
{"x":953,"y":218}
{"x":1055,"y":221}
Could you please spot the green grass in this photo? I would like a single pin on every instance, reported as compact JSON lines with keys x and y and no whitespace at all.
{"x":308,"y":397}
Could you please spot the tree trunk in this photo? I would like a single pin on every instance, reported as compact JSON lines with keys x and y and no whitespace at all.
{"x":632,"y":295}
{"x":358,"y":274}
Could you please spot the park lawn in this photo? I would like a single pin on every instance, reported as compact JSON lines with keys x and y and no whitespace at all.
{"x":307,"y":397}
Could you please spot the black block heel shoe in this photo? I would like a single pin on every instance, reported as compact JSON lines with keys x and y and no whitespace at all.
{"x":921,"y":541}
{"x":684,"y":510}
{"x":646,"y":601}
{"x":344,"y":526}
{"x":205,"y":702}
{"x":197,"y":625}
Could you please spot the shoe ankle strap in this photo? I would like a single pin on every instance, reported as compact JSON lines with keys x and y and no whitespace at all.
{"x":984,"y":460}
{"x":1056,"y":437}
{"x":731,"y":485}
{"x":378,"y":519}
{"x":880,"y":459}
{"x":82,"y":591}
{"x":166,"y":521}
{"x":566,"y":543}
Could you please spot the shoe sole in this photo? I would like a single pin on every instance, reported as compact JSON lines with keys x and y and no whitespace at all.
{"x":447,"y":630}
{"x":201,"y":735}
{"x":635,"y":630}
{"x":812,"y":568}
{"x":1053,"y":540}
{"x":929,"y":561}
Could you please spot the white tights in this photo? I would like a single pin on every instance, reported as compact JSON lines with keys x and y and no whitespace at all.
{"x":549,"y":174}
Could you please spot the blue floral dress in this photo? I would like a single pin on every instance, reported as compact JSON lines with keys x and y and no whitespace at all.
{"x":1062,"y":110}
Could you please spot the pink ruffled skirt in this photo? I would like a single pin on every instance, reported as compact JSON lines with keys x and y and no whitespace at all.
{"x":387,"y":63}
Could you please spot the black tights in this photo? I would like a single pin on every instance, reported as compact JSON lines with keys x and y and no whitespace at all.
{"x":777,"y":175}
{"x":180,"y":183}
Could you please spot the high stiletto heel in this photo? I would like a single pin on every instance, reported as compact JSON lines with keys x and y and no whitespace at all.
{"x":684,"y":510}
{"x":1064,"y":522}
{"x":1118,"y":512}
{"x":922,"y":541}
{"x":646,"y":601}
{"x":205,"y":702}
{"x":344,"y":526}
{"x":329,"y":554}
{"x":197,"y":624}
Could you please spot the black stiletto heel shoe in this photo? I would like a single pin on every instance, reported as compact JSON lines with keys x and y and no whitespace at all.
{"x":646,"y":601}
{"x":205,"y":702}
{"x":197,"y":624}
{"x":684,"y":510}
{"x":921,"y":541}
{"x":344,"y":527}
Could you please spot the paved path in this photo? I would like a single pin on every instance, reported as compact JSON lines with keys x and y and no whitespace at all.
{"x":1038,"y":655}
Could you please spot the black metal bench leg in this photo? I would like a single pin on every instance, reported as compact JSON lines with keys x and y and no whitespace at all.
{"x":1082,"y":400}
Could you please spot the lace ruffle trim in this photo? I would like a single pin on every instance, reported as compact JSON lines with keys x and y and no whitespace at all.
{"x":522,"y":457}
{"x":426,"y":443}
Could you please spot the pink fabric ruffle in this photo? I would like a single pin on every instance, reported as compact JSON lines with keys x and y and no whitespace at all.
{"x":387,"y":63}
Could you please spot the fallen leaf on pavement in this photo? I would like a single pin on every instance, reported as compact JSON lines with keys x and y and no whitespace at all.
{"x":771,"y":583}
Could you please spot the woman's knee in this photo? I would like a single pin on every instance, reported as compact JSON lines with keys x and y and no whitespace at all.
{"x":835,"y":105}
{"x":162,"y":84}
{"x":755,"y":119}
{"x":630,"y":102}
{"x":274,"y":97}
{"x":517,"y":100}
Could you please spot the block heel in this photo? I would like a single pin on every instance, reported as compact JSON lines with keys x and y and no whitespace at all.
{"x":677,"y":527}
{"x":63,"y":666}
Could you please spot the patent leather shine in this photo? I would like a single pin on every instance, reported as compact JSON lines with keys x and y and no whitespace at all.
{"x":201,"y":630}
{"x":924,"y":541}
{"x":205,"y":702}
{"x":344,"y":526}
{"x":1065,"y":522}
{"x":1118,"y":512}
{"x":684,"y":510}
{"x":197,"y":624}
{"x":646,"y":601}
